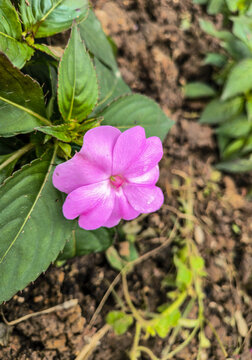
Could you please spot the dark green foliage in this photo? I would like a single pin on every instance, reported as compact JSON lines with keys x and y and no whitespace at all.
{"x":230,"y":110}
{"x":46,"y":106}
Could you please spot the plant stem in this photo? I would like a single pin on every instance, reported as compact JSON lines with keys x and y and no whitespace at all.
{"x":66,"y":305}
{"x":95,"y":340}
{"x":148,"y":351}
{"x":17,"y":154}
{"x":218,"y":339}
{"x":133,"y":353}
{"x":104,"y":299}
{"x":176,"y":304}
{"x":176,"y":330}
{"x":142,"y":258}
{"x":181,"y":346}
{"x":134,"y":311}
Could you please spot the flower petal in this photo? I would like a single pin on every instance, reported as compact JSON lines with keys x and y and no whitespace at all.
{"x":98,"y":145}
{"x":75,"y":173}
{"x":128,"y":147}
{"x":149,"y":158}
{"x":121,"y":210}
{"x":115,"y":216}
{"x":148,"y":178}
{"x":144,"y":198}
{"x":85,"y":198}
{"x":98,"y":216}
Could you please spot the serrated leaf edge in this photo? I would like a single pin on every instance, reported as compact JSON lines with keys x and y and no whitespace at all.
{"x":128,"y":95}
{"x":34,"y":203}
{"x":59,"y":69}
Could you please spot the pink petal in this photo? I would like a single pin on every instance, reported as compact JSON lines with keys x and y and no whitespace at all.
{"x":85,"y":198}
{"x":128,"y":147}
{"x":149,"y":158}
{"x":144,"y":198}
{"x":115,"y":216}
{"x":98,"y":145}
{"x":98,"y":216}
{"x":75,"y":173}
{"x":148,"y":178}
{"x":121,"y":210}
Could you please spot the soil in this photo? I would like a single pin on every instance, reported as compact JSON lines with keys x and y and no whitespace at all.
{"x":160,"y":48}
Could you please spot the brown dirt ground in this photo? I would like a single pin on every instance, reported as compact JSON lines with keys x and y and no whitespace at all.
{"x":160,"y":48}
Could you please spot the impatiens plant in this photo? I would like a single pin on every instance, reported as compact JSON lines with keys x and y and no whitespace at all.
{"x":225,"y":6}
{"x":230,"y":110}
{"x":49,"y":101}
{"x":113,"y":177}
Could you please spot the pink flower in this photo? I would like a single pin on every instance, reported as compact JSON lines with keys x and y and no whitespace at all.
{"x":113,"y":177}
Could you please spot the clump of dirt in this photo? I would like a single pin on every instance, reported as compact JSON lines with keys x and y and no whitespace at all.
{"x":160,"y":48}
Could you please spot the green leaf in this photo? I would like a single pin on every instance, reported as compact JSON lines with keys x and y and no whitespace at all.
{"x":236,"y":166}
{"x":10,"y":23}
{"x":236,"y":48}
{"x":11,"y":36}
{"x":222,"y":143}
{"x":52,"y":110}
{"x":249,"y":108}
{"x":133,"y":253}
{"x":242,"y":28}
{"x":165,"y":323}
{"x":215,"y":6}
{"x":218,"y":111}
{"x":46,"y":50}
{"x":85,"y":242}
{"x":215,"y":59}
{"x":77,"y":88}
{"x":198,"y":90}
{"x":239,"y":80}
{"x":197,"y":263}
{"x":67,"y":150}
{"x":48,"y":17}
{"x":119,"y":321}
{"x":33,"y":229}
{"x":247,"y":148}
{"x":235,"y":128}
{"x":184,"y":274}
{"x":111,"y":85}
{"x":249,"y":12}
{"x":209,"y":28}
{"x":65,"y":133}
{"x":233,"y":148}
{"x":21,"y":101}
{"x":60,"y":132}
{"x":17,"y":52}
{"x":96,"y":41}
{"x":201,"y":2}
{"x":136,"y":109}
{"x":232,"y":5}
{"x":114,"y":259}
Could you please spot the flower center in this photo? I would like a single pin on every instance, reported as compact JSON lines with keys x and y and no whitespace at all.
{"x":116,"y":180}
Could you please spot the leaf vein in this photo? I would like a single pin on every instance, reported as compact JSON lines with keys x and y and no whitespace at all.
{"x":28,"y":111}
{"x":32,"y":207}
